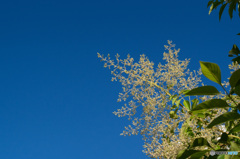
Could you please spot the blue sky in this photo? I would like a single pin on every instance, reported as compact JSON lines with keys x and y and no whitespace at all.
{"x":56,"y":99}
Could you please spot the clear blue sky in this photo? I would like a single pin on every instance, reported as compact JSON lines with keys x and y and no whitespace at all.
{"x":56,"y":99}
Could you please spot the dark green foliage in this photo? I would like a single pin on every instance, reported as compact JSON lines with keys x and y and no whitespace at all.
{"x":210,"y":104}
{"x":229,"y":116}
{"x":233,"y":4}
{"x":204,"y":90}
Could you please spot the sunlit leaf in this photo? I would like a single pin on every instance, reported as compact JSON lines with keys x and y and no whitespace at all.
{"x":211,"y":71}
{"x":186,"y":104}
{"x":234,"y":146}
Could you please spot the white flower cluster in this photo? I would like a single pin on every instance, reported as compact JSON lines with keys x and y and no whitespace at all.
{"x":234,"y":66}
{"x":146,"y":93}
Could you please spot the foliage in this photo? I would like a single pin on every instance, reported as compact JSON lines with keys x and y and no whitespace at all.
{"x":161,"y":109}
{"x":233,"y":4}
{"x":230,"y":120}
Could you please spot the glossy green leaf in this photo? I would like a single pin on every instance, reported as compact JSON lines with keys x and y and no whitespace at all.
{"x":210,"y":104}
{"x":235,"y":77}
{"x":229,"y":116}
{"x":203,"y":90}
{"x":211,"y":71}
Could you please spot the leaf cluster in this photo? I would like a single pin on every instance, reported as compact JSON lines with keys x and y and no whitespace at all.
{"x":233,"y":6}
{"x":230,"y":119}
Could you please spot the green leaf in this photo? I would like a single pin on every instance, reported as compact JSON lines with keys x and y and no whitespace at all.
{"x":210,"y":104}
{"x":200,"y":142}
{"x":237,"y":90}
{"x":209,"y":3}
{"x":172,"y":114}
{"x":211,"y":71}
{"x":221,"y":157}
{"x":178,"y":102}
{"x":221,"y":10}
{"x":201,"y":115}
{"x":186,"y":129}
{"x":234,"y":50}
{"x":194,"y":103}
{"x":235,"y":77}
{"x":186,"y":104}
{"x":183,"y":91}
{"x":174,"y":99}
{"x":236,"y":59}
{"x":234,"y":146}
{"x":229,"y":116}
{"x":211,"y":8}
{"x":187,"y":153}
{"x":232,"y":7}
{"x":238,"y":9}
{"x":173,"y":107}
{"x":235,"y":129}
{"x":198,"y":155}
{"x":203,"y":90}
{"x":171,"y":97}
{"x":224,"y":138}
{"x":216,"y":4}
